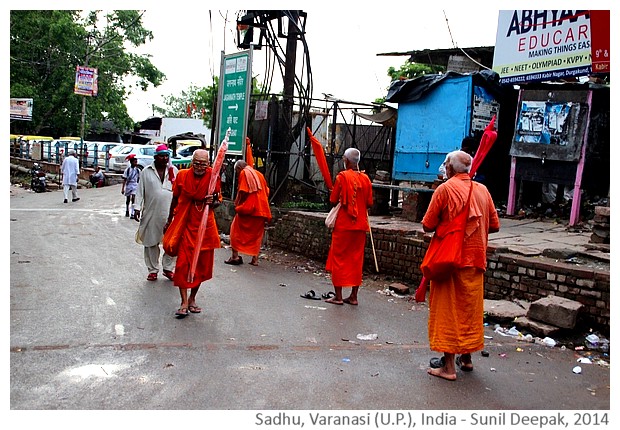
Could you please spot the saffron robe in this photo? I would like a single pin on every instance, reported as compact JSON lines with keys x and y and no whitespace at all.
{"x":345,"y":260}
{"x":191,"y":191}
{"x":456,"y":305}
{"x":252,"y":211}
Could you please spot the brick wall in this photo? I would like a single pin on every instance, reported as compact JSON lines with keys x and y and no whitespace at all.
{"x":400,"y":250}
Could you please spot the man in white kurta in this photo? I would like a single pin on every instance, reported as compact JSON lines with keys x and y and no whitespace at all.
{"x":70,"y":172}
{"x":151,"y":209}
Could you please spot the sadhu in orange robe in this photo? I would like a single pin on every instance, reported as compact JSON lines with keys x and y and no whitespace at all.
{"x":456,"y":305}
{"x":251,"y":212}
{"x":191,"y":191}
{"x":345,"y":259}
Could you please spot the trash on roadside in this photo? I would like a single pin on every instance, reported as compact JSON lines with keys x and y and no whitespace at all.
{"x":584,"y":360}
{"x":484,"y":353}
{"x":346,"y":360}
{"x":597,"y":343}
{"x":549,"y":342}
{"x":577,"y":370}
{"x":371,"y":336}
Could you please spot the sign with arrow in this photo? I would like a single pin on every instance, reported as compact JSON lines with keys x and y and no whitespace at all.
{"x":235,"y":87}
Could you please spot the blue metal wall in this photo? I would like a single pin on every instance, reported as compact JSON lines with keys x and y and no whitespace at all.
{"x":430,"y":127}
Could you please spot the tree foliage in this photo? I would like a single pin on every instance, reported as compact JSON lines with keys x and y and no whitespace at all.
{"x":196,"y":102}
{"x":46,"y":46}
{"x":409,"y":70}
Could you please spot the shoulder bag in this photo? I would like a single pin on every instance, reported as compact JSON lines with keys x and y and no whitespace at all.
{"x":330,"y":221}
{"x":444,"y":253}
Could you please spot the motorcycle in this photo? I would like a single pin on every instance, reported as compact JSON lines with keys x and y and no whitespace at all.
{"x":38,"y":181}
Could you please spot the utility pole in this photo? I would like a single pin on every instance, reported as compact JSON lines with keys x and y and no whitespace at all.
{"x":285,"y":135}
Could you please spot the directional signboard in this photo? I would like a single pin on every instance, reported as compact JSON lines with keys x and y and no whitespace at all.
{"x":234,"y":99}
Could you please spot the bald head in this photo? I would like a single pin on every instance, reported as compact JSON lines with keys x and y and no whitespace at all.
{"x":240,"y":165}
{"x":457,"y":162}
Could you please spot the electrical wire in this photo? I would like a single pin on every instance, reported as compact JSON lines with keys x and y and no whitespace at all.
{"x":449,"y":31}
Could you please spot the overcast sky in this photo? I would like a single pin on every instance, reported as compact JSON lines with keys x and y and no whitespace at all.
{"x":343,"y":41}
{"x":343,"y":45}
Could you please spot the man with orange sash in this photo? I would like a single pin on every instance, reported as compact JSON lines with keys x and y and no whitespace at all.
{"x":345,"y":259}
{"x":251,"y":213}
{"x":456,"y":304}
{"x":189,"y":202}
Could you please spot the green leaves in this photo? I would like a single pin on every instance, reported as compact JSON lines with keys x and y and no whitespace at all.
{"x":47,"y":45}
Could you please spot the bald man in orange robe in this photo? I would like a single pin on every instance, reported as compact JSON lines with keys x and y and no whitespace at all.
{"x":456,"y":305}
{"x":189,"y":203}
{"x":252,"y":212}
{"x":345,"y":259}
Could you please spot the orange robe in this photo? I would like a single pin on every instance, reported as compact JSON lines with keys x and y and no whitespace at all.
{"x":191,"y":191}
{"x":251,"y":212}
{"x":456,"y":305}
{"x":345,"y":259}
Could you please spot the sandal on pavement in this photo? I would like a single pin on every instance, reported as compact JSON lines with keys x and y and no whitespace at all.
{"x":234,"y":262}
{"x":310,"y":295}
{"x":152,"y":277}
{"x":169,"y":274}
{"x":182,"y":312}
{"x":194,"y":309}
{"x":328,"y":295}
{"x":464,"y":367}
{"x":436,"y":363}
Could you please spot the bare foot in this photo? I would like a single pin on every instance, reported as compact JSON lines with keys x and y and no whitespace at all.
{"x":441,"y":373}
{"x":333,"y":301}
{"x":254,"y":262}
{"x":350,"y":301}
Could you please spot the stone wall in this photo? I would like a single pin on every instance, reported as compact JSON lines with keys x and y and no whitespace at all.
{"x":400,"y":250}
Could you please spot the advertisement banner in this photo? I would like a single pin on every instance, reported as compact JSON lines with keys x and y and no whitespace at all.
{"x":21,"y":109}
{"x":85,"y":81}
{"x":600,"y":41}
{"x":541,"y":45}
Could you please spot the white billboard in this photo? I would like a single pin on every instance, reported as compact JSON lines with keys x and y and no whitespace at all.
{"x":540,"y":45}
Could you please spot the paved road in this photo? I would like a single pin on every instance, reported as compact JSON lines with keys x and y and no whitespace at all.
{"x":88,"y":332}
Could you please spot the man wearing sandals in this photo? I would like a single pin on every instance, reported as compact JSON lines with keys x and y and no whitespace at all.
{"x":153,"y":198}
{"x":252,"y":212}
{"x":345,"y":260}
{"x":456,"y":304}
{"x":190,"y":203}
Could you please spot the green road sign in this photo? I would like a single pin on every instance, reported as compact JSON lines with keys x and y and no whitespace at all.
{"x":234,"y":99}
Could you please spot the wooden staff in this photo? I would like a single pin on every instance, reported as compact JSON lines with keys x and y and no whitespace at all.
{"x":372,"y":242}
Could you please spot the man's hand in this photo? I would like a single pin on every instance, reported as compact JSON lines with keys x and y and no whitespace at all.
{"x":136,"y":215}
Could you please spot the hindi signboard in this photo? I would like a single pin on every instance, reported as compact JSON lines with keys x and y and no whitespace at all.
{"x":21,"y":109}
{"x":542,"y":45}
{"x":85,"y":81}
{"x":234,"y":99}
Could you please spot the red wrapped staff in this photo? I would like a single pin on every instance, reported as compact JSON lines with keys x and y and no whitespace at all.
{"x":486,"y":142}
{"x":215,"y":174}
{"x":319,"y":153}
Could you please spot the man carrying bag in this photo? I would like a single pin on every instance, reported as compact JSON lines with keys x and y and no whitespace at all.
{"x":456,"y":301}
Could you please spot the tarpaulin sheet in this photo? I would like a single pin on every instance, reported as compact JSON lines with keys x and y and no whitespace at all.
{"x":410,"y":90}
{"x":385,"y":117}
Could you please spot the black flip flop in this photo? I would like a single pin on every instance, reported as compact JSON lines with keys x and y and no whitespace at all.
{"x":236,"y":262}
{"x":328,"y":295}
{"x":180,"y":314}
{"x":310,"y":295}
{"x":461,"y":366}
{"x":436,"y":363}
